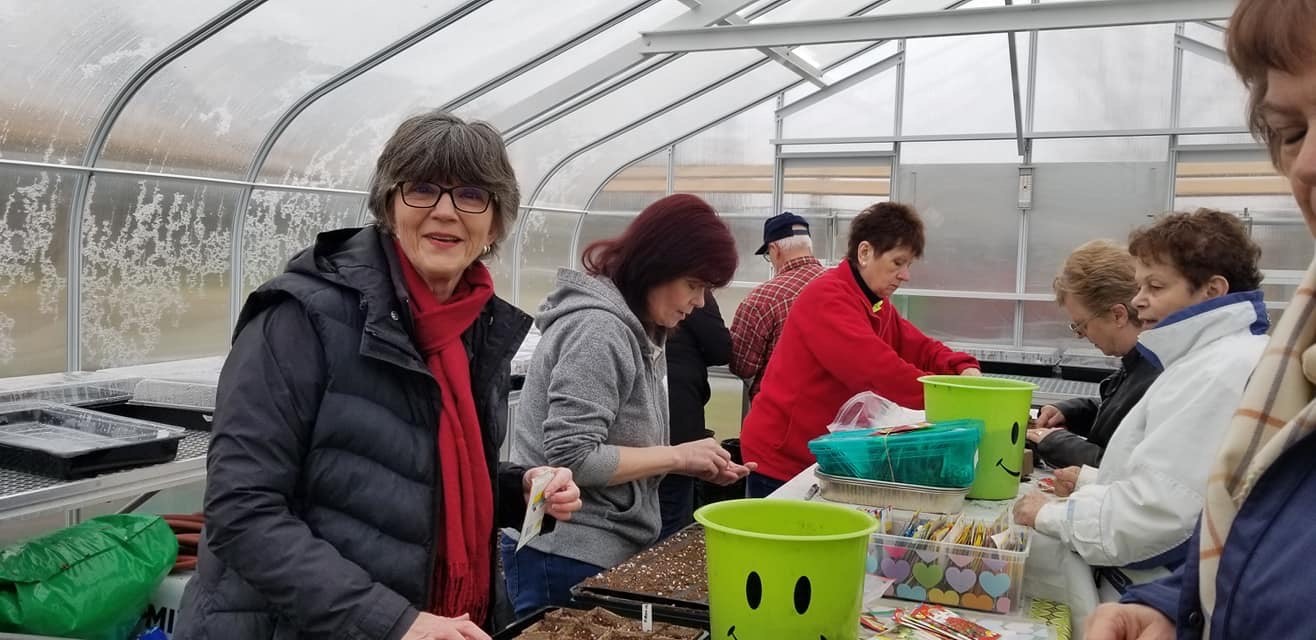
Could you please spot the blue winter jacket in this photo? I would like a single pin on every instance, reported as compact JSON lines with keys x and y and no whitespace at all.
{"x":1263,"y":585}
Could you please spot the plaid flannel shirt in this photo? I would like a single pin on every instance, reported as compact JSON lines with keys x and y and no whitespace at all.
{"x":761,"y":317}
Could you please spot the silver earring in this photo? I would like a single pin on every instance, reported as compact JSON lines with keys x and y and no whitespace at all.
{"x":487,"y":248}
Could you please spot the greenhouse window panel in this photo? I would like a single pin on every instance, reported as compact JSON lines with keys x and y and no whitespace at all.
{"x":71,"y":58}
{"x":1069,"y":15}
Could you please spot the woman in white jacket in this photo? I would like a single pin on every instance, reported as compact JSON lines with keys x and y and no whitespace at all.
{"x":1198,"y":289}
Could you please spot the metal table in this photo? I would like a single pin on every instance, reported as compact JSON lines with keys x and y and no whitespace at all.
{"x":1051,"y":390}
{"x":24,"y":494}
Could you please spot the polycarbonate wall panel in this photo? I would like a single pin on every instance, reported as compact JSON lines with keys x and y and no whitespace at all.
{"x":1116,"y":78}
{"x":365,"y":112}
{"x":1287,"y":247}
{"x":1139,"y":149}
{"x":960,"y":152}
{"x":281,"y":223}
{"x":65,"y":59}
{"x":33,"y":269}
{"x":961,"y":320}
{"x":1047,"y":325}
{"x":535,"y":155}
{"x":550,"y":71}
{"x":635,"y":186}
{"x":866,"y":109}
{"x":155,"y":270}
{"x":573,"y":183}
{"x":1212,"y":95}
{"x":545,"y":247}
{"x":960,"y":85}
{"x":730,"y":165}
{"x":599,"y":226}
{"x":971,"y":216}
{"x":1081,"y":201}
{"x":205,"y":113}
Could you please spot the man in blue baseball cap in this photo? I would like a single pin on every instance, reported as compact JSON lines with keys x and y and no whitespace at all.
{"x":761,"y":317}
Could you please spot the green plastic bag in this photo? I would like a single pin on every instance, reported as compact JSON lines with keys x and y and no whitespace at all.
{"x":89,"y":581}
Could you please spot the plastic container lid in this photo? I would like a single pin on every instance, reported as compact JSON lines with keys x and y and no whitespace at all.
{"x":941,"y":455}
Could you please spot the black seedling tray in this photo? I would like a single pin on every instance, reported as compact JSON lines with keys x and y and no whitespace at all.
{"x":68,"y":442}
{"x":630,"y":604}
{"x":516,"y":628}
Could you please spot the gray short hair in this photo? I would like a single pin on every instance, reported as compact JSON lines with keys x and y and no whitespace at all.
{"x":795,"y":243}
{"x":439,"y":146}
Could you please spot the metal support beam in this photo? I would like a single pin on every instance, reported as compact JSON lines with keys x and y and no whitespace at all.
{"x":1068,"y":15}
{"x":607,"y":66}
{"x":1014,"y":91}
{"x":1009,"y":135}
{"x":843,"y":84}
{"x":1201,"y":48}
{"x":296,"y":108}
{"x":544,"y":56}
{"x":781,"y":55}
{"x":99,"y":135}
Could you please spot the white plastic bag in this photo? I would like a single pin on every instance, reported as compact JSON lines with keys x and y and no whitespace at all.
{"x":867,"y":410}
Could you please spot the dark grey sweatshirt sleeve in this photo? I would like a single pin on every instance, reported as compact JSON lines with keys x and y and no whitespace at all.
{"x":268,"y":397}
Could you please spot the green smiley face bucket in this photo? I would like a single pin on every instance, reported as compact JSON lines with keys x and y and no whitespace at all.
{"x":785,"y":569}
{"x":1003,"y":406}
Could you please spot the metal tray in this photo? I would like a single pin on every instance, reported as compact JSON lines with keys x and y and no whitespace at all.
{"x":69,"y":442}
{"x":516,"y":628}
{"x":906,"y":497}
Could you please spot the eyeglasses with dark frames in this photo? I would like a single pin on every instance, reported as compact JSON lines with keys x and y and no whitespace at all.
{"x":425,"y":195}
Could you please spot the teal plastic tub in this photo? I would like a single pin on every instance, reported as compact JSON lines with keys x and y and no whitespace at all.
{"x":942,"y":455}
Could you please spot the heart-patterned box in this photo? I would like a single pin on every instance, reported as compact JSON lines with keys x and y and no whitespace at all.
{"x":955,"y":575}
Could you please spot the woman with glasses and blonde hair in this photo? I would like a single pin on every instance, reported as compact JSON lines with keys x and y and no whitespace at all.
{"x":353,"y":481}
{"x":1096,"y":288}
{"x":1245,"y":573}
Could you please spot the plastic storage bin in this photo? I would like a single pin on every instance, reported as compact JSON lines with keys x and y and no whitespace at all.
{"x":942,"y":455}
{"x":951,"y":574}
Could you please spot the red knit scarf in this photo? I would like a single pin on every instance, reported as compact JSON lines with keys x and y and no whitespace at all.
{"x":461,"y":575}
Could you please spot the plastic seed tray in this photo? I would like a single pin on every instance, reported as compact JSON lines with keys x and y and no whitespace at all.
{"x":671,"y":576}
{"x":525,"y":627}
{"x":69,"y":442}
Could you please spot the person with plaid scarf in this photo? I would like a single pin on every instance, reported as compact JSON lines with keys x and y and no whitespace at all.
{"x":1245,"y":575}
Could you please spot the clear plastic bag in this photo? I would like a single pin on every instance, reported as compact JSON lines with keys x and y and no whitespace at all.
{"x":867,"y":410}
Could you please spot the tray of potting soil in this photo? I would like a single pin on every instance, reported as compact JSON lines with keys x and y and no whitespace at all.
{"x":70,"y":442}
{"x":555,"y":623}
{"x":671,"y":576}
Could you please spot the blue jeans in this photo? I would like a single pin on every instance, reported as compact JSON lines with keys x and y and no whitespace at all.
{"x":536,"y":579}
{"x":676,"y":499}
{"x":759,"y":486}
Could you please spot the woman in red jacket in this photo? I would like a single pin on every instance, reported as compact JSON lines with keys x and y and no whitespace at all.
{"x":844,"y":336}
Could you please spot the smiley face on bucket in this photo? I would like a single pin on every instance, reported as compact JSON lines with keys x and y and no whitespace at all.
{"x":774,"y":603}
{"x":1014,"y":442}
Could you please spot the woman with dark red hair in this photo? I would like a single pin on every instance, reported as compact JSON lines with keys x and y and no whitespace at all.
{"x":595,"y":400}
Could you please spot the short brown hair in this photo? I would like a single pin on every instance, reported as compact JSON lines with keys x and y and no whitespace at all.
{"x":437,"y":145}
{"x":1200,"y":245}
{"x":886,"y":225}
{"x":1266,"y":35}
{"x":1098,"y":275}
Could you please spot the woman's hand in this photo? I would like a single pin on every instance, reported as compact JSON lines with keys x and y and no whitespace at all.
{"x":1128,"y":622}
{"x":561,"y":496}
{"x":1036,"y":436}
{"x":431,"y":627}
{"x":971,"y":371}
{"x":1066,"y":480}
{"x":707,"y":460}
{"x":1026,"y":508}
{"x":1049,"y":417}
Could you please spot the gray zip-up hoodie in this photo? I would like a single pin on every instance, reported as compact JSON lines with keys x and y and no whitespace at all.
{"x":597,"y":382}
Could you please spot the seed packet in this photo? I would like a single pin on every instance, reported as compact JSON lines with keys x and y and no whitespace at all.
{"x":534,"y":508}
{"x":945,"y":624}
